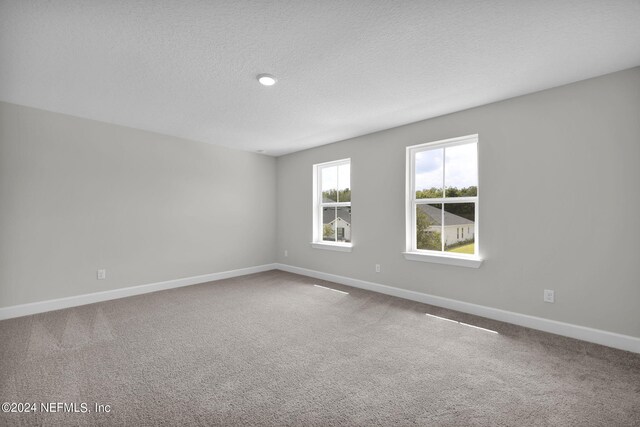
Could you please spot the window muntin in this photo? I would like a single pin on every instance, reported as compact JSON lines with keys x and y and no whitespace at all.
{"x":442,"y":197}
{"x":332,"y":202}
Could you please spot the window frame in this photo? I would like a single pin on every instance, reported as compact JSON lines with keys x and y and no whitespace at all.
{"x":412,"y":253}
{"x":317,"y":241}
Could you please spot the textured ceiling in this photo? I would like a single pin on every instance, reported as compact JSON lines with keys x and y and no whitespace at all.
{"x":345,"y":68}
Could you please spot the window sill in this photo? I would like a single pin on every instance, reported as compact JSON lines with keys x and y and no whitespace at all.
{"x":340,"y":247}
{"x":444,"y":259}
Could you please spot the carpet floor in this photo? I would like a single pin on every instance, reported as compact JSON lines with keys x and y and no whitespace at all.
{"x":272,"y":349}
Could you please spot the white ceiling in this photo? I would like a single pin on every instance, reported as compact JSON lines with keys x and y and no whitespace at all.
{"x":345,"y":68}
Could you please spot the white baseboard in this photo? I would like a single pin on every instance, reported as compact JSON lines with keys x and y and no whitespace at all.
{"x":610,"y":339}
{"x":74,"y":301}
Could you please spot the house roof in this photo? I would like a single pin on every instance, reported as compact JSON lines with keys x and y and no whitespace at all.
{"x":344,"y":212}
{"x":449,"y":219}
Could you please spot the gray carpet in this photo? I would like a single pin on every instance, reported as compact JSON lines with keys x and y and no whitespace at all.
{"x":272,"y":349}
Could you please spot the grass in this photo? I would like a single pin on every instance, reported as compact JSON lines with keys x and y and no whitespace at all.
{"x":466,"y":249}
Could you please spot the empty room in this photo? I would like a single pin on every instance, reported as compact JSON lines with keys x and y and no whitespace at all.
{"x":320,"y":213}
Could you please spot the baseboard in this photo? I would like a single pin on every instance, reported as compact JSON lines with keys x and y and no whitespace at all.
{"x":74,"y":301}
{"x":610,"y":339}
{"x":597,"y":336}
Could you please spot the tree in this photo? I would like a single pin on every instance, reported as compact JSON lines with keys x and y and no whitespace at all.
{"x":327,"y":231}
{"x":436,"y":192}
{"x":345,"y":195}
{"x":331,"y":195}
{"x":426,"y":239}
{"x":429,"y":193}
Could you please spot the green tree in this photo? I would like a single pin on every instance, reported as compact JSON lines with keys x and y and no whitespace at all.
{"x":327,"y":231}
{"x":332,"y":195}
{"x":436,"y":192}
{"x":462,"y":192}
{"x":429,"y":193}
{"x":426,"y":239}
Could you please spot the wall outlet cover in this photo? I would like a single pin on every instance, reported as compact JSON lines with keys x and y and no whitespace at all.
{"x":549,"y":295}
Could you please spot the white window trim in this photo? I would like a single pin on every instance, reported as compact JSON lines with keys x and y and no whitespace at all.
{"x":414,"y":254}
{"x":449,"y":259}
{"x":339,"y":247}
{"x":317,"y":242}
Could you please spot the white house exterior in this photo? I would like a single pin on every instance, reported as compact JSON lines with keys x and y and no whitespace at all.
{"x":340,"y":221}
{"x":457,"y":233}
{"x":456,"y":229}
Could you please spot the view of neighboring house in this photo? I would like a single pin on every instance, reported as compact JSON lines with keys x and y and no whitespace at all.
{"x":456,"y":228}
{"x":337,"y":223}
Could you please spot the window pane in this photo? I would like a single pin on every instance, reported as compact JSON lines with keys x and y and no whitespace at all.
{"x":461,"y":170}
{"x":329,"y":184}
{"x":429,"y":227}
{"x":344,"y":183}
{"x":428,"y":168}
{"x":459,"y":227}
{"x":343,"y":224}
{"x":329,"y":224}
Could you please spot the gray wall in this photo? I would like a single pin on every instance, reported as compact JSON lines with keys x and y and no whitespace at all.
{"x":76,"y":195}
{"x":559,"y":209}
{"x":559,"y":176}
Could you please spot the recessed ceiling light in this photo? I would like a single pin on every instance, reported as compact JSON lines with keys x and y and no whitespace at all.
{"x":267,"y":79}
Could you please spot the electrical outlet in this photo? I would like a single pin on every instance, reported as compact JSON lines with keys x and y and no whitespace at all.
{"x":286,"y":253}
{"x":102,"y":274}
{"x":377,"y":268}
{"x":549,"y":296}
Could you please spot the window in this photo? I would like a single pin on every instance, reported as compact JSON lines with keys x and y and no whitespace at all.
{"x":332,"y":205}
{"x":442,"y":199}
